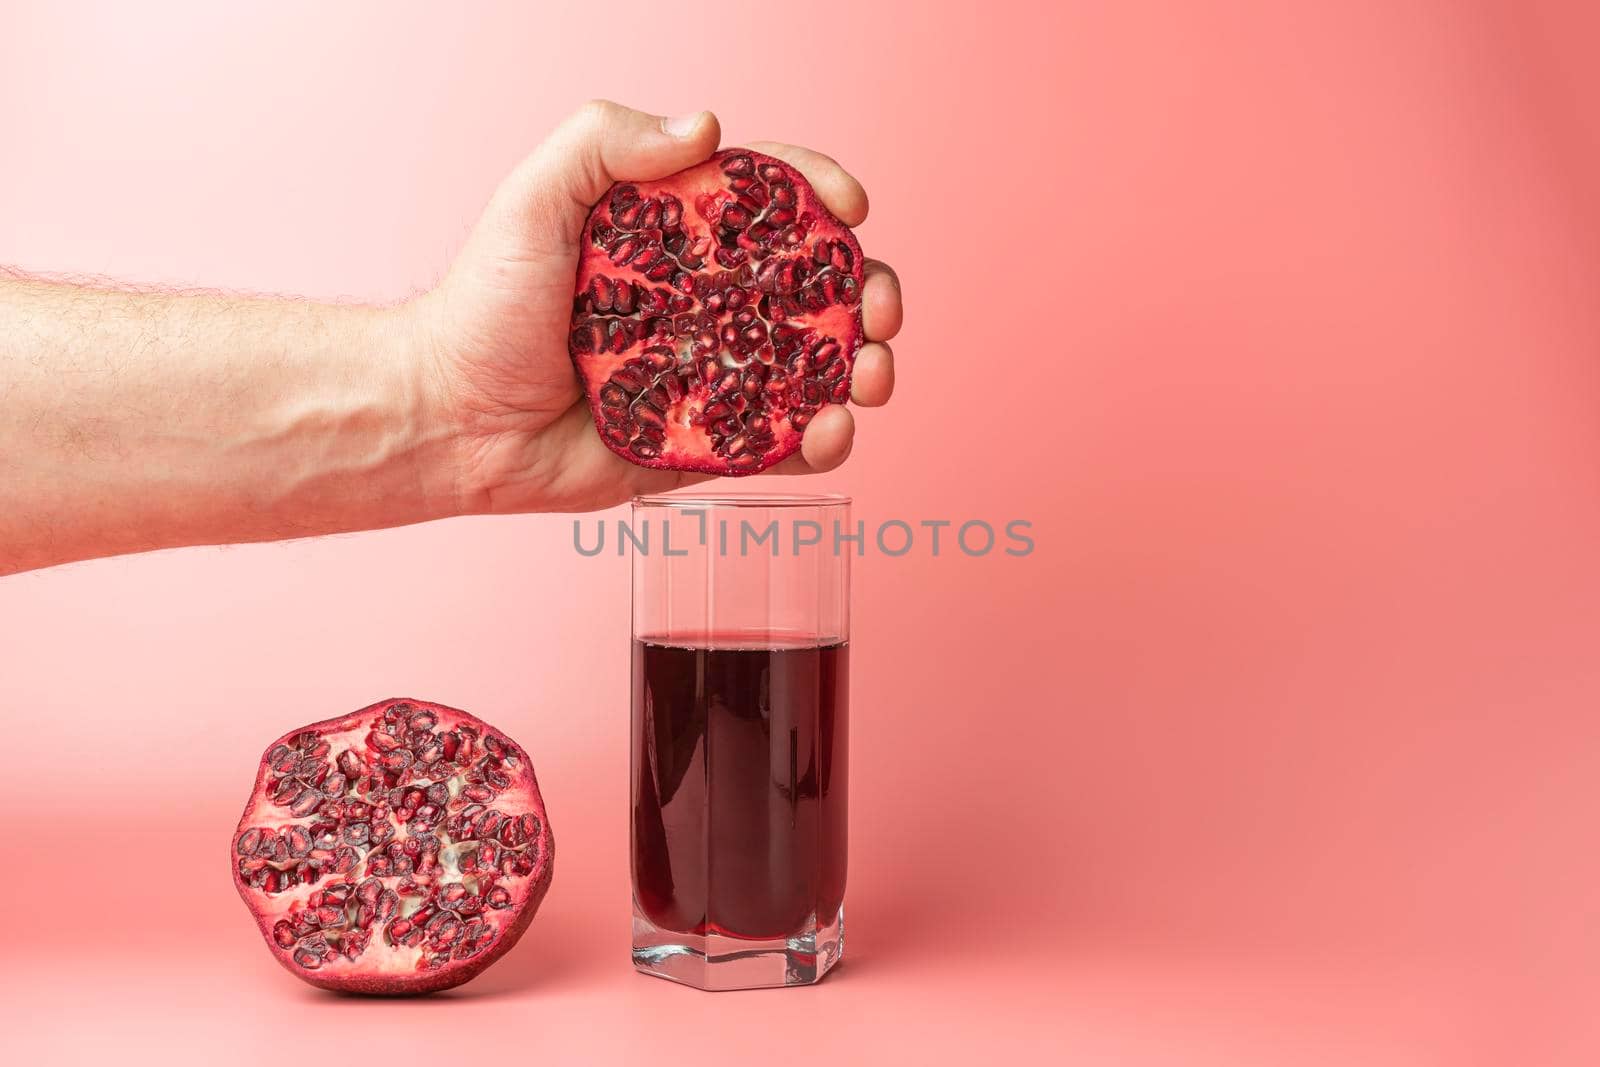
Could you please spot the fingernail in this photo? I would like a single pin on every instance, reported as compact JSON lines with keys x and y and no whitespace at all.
{"x":683,"y":125}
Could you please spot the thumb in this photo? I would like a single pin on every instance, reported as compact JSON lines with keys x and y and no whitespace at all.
{"x":601,"y":144}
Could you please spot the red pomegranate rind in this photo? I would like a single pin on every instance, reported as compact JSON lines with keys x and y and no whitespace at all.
{"x":400,"y":849}
{"x":715,"y":311}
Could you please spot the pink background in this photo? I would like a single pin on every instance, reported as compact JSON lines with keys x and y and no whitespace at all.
{"x":1279,"y":322}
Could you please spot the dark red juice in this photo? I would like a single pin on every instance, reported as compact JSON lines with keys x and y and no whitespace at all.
{"x":739,"y":783}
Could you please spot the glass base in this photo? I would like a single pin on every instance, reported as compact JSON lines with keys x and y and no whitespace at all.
{"x":712,"y":961}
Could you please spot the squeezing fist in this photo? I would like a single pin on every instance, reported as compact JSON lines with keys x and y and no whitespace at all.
{"x":715,"y":316}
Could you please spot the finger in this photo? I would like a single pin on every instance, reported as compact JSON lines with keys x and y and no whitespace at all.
{"x":826,"y":444}
{"x":840,"y":193}
{"x":881,"y":309}
{"x":872,"y":381}
{"x":604,"y":143}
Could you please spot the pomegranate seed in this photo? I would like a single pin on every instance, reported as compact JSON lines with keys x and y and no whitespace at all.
{"x":307,"y":802}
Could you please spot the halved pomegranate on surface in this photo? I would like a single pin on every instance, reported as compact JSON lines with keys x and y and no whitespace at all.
{"x":400,"y":849}
{"x":715,"y":311}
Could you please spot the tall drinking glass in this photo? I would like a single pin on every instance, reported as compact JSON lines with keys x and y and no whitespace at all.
{"x":741,"y":625}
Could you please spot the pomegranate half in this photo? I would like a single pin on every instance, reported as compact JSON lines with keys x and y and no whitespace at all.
{"x":400,"y":849}
{"x":715,"y":311}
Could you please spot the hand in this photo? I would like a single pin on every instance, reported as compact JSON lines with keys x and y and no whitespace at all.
{"x":497,"y":325}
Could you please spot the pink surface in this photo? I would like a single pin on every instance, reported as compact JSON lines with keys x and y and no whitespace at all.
{"x":1278,"y":321}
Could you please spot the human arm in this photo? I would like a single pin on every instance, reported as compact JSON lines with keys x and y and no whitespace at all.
{"x":137,"y":420}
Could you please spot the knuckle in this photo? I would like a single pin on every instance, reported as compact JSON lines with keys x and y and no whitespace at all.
{"x":599,"y":112}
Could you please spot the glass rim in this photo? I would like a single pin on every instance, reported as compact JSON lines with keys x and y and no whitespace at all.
{"x":740,"y":500}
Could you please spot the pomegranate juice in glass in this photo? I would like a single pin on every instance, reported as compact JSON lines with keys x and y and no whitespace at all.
{"x":740,"y":722}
